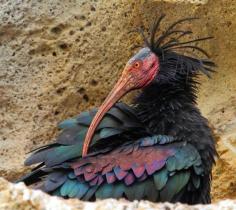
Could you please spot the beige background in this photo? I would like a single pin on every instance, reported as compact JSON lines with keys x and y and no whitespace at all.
{"x":58,"y":58}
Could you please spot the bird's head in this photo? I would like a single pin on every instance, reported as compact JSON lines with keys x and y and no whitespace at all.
{"x":139,"y":72}
{"x":158,"y":61}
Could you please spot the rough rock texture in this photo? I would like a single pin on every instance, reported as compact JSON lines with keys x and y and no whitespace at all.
{"x":223,"y":117}
{"x":19,"y":197}
{"x":58,"y":58}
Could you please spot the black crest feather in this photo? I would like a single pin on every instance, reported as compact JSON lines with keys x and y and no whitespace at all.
{"x":176,"y":54}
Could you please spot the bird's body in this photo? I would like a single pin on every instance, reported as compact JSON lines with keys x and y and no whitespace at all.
{"x":160,"y":148}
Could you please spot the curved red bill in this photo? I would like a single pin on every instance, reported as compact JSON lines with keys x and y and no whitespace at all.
{"x":119,"y":90}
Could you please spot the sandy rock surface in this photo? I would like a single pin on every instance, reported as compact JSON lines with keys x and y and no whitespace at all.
{"x":17,"y":196}
{"x":58,"y":58}
{"x":223,"y":117}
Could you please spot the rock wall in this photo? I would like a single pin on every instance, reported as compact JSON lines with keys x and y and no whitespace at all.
{"x":58,"y":58}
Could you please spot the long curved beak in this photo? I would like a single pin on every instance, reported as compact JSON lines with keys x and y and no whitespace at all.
{"x":120,"y":89}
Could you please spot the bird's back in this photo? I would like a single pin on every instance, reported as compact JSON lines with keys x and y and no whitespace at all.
{"x":137,"y":165}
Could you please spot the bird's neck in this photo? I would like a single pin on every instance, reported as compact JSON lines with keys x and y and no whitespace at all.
{"x":161,"y":106}
{"x":171,"y":110}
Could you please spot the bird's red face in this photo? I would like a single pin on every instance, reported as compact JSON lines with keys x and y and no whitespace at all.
{"x":140,"y":71}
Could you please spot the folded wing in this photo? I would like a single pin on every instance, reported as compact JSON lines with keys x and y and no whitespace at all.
{"x":119,"y":123}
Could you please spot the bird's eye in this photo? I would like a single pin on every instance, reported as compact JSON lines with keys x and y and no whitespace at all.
{"x":136,"y":65}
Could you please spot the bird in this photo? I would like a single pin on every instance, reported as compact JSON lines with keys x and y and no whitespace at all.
{"x":159,"y":148}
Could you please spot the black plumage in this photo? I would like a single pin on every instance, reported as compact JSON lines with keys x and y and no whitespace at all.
{"x":159,"y":148}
